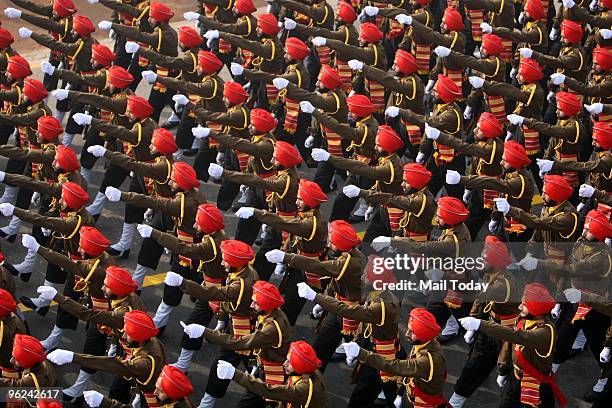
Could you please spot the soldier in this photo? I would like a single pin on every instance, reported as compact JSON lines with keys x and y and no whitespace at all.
{"x":269,"y":342}
{"x":210,"y":233}
{"x":163,"y":40}
{"x":143,"y":359}
{"x":235,"y":299}
{"x":343,"y":268}
{"x":11,"y":325}
{"x":533,"y":338}
{"x":85,"y":275}
{"x":501,"y":14}
{"x":495,"y":303}
{"x":446,"y":117}
{"x":417,"y":202}
{"x":306,"y":234}
{"x":172,"y":388}
{"x":182,"y":208}
{"x":387,"y":145}
{"x":486,"y":154}
{"x":304,"y":387}
{"x":423,"y":372}
{"x":587,"y":267}
{"x":29,"y":366}
{"x":378,"y":321}
{"x":119,"y":290}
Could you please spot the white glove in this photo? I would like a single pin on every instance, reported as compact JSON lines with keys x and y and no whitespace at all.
{"x":60,"y":357}
{"x":606,"y":33}
{"x":245,"y":212}
{"x":452,"y":177}
{"x":351,"y":191}
{"x":545,"y":165}
{"x":442,"y":51}
{"x":528,"y":263}
{"x":320,"y":155}
{"x":148,"y":215}
{"x":508,"y":137}
{"x":136,"y":401}
{"x":47,"y":68}
{"x":319,"y":41}
{"x":371,"y":10}
{"x":572,"y":295}
{"x":380,"y":243}
{"x":25,"y":32}
{"x":93,"y":1}
{"x":211,"y":34}
{"x":431,"y":132}
{"x":47,"y":292}
{"x":554,"y":34}
{"x":289,"y":24}
{"x":369,"y":213}
{"x":515,"y":119}
{"x":82,"y":118}
{"x":392,"y":111}
{"x":580,"y":207}
{"x":568,"y":4}
{"x":595,"y":108}
{"x":275,"y":256}
{"x":7,"y":209}
{"x":593,"y":6}
{"x":470,"y":323}
{"x":493,"y":226}
{"x":93,"y":398}
{"x":200,"y":132}
{"x":397,"y":402}
{"x":469,"y":336}
{"x":220,"y":326}
{"x":236,"y":69}
{"x":355,"y":65}
{"x":35,"y":200}
{"x":317,"y":311}
{"x":105,"y":25}
{"x":279,"y":270}
{"x":112,"y":35}
{"x":467,"y":196}
{"x":486,"y":28}
{"x":180,"y":99}
{"x":604,"y":356}
{"x":144,"y":230}
{"x":225,"y":371}
{"x":30,"y":242}
{"x":550,"y":96}
{"x":420,"y":158}
{"x":131,"y":47}
{"x":194,"y":331}
{"x":556,"y":311}
{"x":501,"y":380}
{"x":97,"y":150}
{"x":60,"y":94}
{"x":309,"y":142}
{"x":586,"y":191}
{"x":219,"y":159}
{"x":149,"y":76}
{"x":513,"y":72}
{"x":307,"y":107}
{"x":403,"y":19}
{"x":173,"y":279}
{"x":280,"y":83}
{"x":557,"y":79}
{"x":11,"y":12}
{"x":521,"y":18}
{"x":191,"y":16}
{"x":352,"y":350}
{"x":467,"y":113}
{"x":113,"y":194}
{"x":502,"y":205}
{"x":429,"y":87}
{"x":608,"y":242}
{"x":525,"y":52}
{"x":2,"y":176}
{"x":477,"y":82}
{"x":305,"y":291}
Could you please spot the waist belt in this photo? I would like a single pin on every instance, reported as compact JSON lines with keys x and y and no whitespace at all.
{"x":152,"y":401}
{"x":312,"y":279}
{"x":215,"y":127}
{"x":243,"y":160}
{"x":554,"y":254}
{"x":241,"y":326}
{"x":476,"y":18}
{"x":504,"y":320}
{"x":184,"y":237}
{"x":377,"y":95}
{"x":570,"y":176}
{"x":163,"y":73}
{"x":292,"y":111}
{"x":497,"y":106}
{"x":443,"y":154}
{"x":396,"y":29}
{"x":225,"y":47}
{"x":387,"y":349}
{"x":142,"y":61}
{"x":324,"y":54}
{"x":271,"y":93}
{"x":346,"y":75}
{"x":334,"y":142}
{"x":349,"y":326}
{"x":422,"y":54}
{"x":531,"y":139}
{"x":506,"y":54}
{"x":453,"y":299}
{"x":414,"y":133}
{"x":274,"y":373}
{"x":395,"y":215}
{"x":216,"y":282}
{"x":581,"y":312}
{"x":247,"y":57}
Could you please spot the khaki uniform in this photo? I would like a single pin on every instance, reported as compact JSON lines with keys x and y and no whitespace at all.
{"x":10,"y":325}
{"x":39,"y":376}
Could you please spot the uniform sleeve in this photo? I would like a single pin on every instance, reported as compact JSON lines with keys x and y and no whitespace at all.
{"x":313,"y":265}
{"x":382,"y":172}
{"x":506,"y":90}
{"x":156,"y":170}
{"x":102,"y":317}
{"x":60,"y":260}
{"x":296,"y":226}
{"x":569,"y":133}
{"x":228,"y":293}
{"x":538,"y":339}
{"x":170,"y":206}
{"x":603,"y":89}
{"x":296,"y":394}
{"x":43,"y":22}
{"x":267,"y":337}
{"x":389,"y":81}
{"x":562,"y":222}
{"x":259,"y":150}
{"x":418,"y":367}
{"x":43,"y":10}
{"x":119,"y":132}
{"x":114,"y":105}
{"x":137,"y":35}
{"x":139,"y":368}
{"x":182,"y":62}
{"x":326,"y":103}
{"x":253,"y":180}
{"x":31,"y":184}
{"x":366,"y":314}
{"x":513,"y":187}
{"x":21,"y":153}
{"x":572,"y":61}
{"x":470,"y":149}
{"x":95,"y":80}
{"x":259,"y":49}
{"x":480,"y":65}
{"x":57,"y":224}
{"x":342,"y":129}
{"x":199,"y":251}
{"x":49,"y":42}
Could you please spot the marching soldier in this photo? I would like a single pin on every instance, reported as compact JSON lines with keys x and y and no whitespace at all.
{"x":29,"y":366}
{"x":501,"y":14}
{"x":142,"y":362}
{"x":11,"y":326}
{"x":304,"y":387}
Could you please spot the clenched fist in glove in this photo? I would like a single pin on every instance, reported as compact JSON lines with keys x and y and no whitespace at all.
{"x":211,"y":34}
{"x":132,"y":47}
{"x":305,"y":291}
{"x":545,"y":165}
{"x":149,"y":76}
{"x":525,"y":52}
{"x":469,"y":336}
{"x":470,"y":323}
{"x":180,"y":99}
{"x":93,"y":398}
{"x":60,"y":94}
{"x":452,"y":177}
{"x":528,"y":263}
{"x":275,"y":256}
{"x":289,"y":24}
{"x":105,"y":25}
{"x":572,"y":295}
{"x":355,"y":65}
{"x":586,"y":191}
{"x":25,"y":32}
{"x":236,"y":69}
{"x":501,"y":380}
{"x":11,"y":12}
{"x":215,"y":171}
{"x":97,"y":150}
{"x":82,"y":119}
{"x":60,"y":357}
{"x":557,"y":79}
{"x":113,"y":194}
{"x":225,"y":371}
{"x":194,"y":331}
{"x":352,"y":350}
{"x":442,"y":51}
{"x":392,"y":111}
{"x":594,"y":108}
{"x":307,"y":107}
{"x":191,"y":16}
{"x":200,"y":132}
{"x":47,"y":68}
{"x":319,"y":41}
{"x":7,"y":209}
{"x":502,"y":205}
{"x":431,"y":132}
{"x":351,"y":191}
{"x":320,"y":155}
{"x":245,"y":212}
{"x":30,"y":242}
{"x":173,"y":279}
{"x":380,"y":243}
{"x":476,"y":82}
{"x":403,"y":19}
{"x":604,"y":356}
{"x":515,"y":119}
{"x":486,"y":28}
{"x":144,"y":230}
{"x":309,"y":142}
{"x":280,"y":83}
{"x":48,"y":293}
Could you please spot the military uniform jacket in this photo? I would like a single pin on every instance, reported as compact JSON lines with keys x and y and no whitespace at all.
{"x":268,"y":51}
{"x":43,"y":155}
{"x":345,"y":33}
{"x":78,"y":53}
{"x":207,"y":252}
{"x":516,"y":187}
{"x":387,"y":173}
{"x":303,"y":391}
{"x":116,"y":104}
{"x":530,"y":97}
{"x":235,"y":295}
{"x":555,"y":224}
{"x":496,"y":300}
{"x":453,"y":40}
{"x":598,"y":88}
{"x":163,"y":39}
{"x":206,"y":93}
{"x":321,"y":14}
{"x":307,"y":231}
{"x":245,"y":26}
{"x":270,"y":340}
{"x":27,"y":118}
{"x":501,"y":12}
{"x":144,"y":364}
{"x":159,"y":170}
{"x":185,"y":64}
{"x":599,"y":170}
{"x":571,"y":61}
{"x":294,"y":73}
{"x":260,"y":148}
{"x":446,"y":117}
{"x":406,"y":92}
{"x":134,"y":13}
{"x":450,"y":244}
{"x":331,"y":102}
{"x":487,"y":154}
{"x":371,"y":54}
{"x":52,"y":188}
{"x":361,"y":137}
{"x":533,"y":35}
{"x":235,"y":120}
{"x":136,"y":140}
{"x":10,"y":325}
{"x":565,"y":136}
{"x":39,"y":376}
{"x":97,"y":81}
